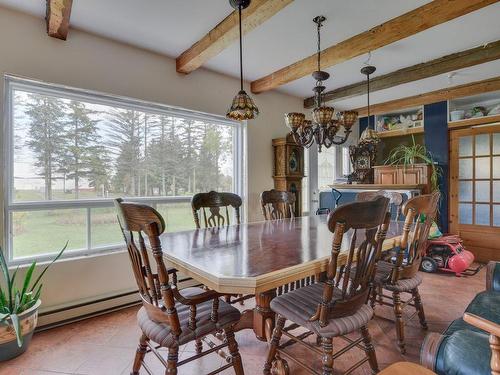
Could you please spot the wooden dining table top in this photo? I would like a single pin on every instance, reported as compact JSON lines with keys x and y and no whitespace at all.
{"x":258,"y":256}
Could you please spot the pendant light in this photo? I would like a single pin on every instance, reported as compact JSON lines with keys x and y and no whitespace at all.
{"x":242,"y":107}
{"x":369,"y":135}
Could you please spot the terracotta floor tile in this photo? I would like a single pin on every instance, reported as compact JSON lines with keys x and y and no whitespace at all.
{"x":106,"y":344}
{"x":10,"y":370}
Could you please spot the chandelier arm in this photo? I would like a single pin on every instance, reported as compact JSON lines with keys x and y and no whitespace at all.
{"x":341,"y":140}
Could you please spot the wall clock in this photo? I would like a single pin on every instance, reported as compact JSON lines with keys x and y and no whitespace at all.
{"x":362,"y":159}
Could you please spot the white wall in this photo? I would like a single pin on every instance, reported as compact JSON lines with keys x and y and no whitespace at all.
{"x":91,"y":62}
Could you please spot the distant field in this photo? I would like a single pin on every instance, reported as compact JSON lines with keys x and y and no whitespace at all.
{"x":41,"y":232}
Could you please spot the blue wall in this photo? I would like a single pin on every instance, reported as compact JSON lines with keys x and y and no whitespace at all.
{"x":436,"y":141}
{"x":363,"y":123}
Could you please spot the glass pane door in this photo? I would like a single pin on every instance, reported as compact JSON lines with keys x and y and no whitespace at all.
{"x":479,"y":179}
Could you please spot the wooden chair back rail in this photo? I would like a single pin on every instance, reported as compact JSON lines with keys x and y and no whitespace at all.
{"x":277,"y":204}
{"x":214,"y":201}
{"x":158,"y":292}
{"x":395,"y":199}
{"x":353,"y":279}
{"x":419,"y":213}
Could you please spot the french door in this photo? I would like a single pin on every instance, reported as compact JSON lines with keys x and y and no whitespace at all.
{"x":475,"y":189}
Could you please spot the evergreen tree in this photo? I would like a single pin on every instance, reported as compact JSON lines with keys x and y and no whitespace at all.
{"x":100,"y":170}
{"x":46,"y":135}
{"x":80,"y":143}
{"x":124,"y":138}
{"x":165,"y":155}
{"x":191,"y":137}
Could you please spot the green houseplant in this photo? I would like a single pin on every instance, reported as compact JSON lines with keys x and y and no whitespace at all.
{"x":406,"y":156}
{"x":19,"y":303}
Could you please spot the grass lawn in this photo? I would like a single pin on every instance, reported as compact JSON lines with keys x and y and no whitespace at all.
{"x":41,"y":232}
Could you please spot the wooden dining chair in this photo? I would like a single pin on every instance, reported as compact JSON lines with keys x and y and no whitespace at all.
{"x":277,"y":204}
{"x":336,"y":306}
{"x":395,"y":199}
{"x":399,"y":274}
{"x":214,"y":202}
{"x":169,"y":317}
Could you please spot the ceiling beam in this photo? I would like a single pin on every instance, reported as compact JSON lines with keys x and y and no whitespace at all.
{"x":57,"y":17}
{"x":445,"y":64}
{"x":488,"y":85}
{"x":226,"y":32}
{"x":431,"y":14}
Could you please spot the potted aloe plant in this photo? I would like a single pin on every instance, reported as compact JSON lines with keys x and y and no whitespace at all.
{"x":405,"y":156}
{"x":19,"y":303}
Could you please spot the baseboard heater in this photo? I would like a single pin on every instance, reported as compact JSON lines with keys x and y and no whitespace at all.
{"x":89,"y":309}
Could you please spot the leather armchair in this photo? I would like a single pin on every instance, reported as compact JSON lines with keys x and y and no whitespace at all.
{"x":470,"y":345}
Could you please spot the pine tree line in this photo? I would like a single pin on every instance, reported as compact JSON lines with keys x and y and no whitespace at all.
{"x":123,"y":152}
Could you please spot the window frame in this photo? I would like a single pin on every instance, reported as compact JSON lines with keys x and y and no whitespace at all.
{"x":12,"y":83}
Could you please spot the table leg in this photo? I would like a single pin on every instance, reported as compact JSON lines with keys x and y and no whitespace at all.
{"x":263,"y":316}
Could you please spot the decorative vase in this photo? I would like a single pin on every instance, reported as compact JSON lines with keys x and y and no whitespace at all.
{"x":8,"y":342}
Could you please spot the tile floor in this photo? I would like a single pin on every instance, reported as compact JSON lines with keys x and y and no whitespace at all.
{"x":105,"y":345}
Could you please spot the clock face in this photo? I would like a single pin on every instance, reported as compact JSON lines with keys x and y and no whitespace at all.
{"x":363,"y":162}
{"x":293,"y":163}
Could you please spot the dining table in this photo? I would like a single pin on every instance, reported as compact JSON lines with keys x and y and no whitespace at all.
{"x":258,"y":258}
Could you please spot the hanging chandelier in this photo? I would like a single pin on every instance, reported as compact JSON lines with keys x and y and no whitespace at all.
{"x":369,"y":135}
{"x":242,"y":107}
{"x":326,"y":123}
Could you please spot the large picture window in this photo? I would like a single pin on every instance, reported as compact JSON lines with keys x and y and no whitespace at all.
{"x":69,"y":152}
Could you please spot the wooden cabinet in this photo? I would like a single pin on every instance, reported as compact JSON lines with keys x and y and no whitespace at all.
{"x":417,"y":174}
{"x":289,"y":169}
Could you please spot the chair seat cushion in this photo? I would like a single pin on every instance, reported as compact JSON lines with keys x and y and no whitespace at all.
{"x":404,"y":285}
{"x":161,"y":333}
{"x":301,"y":304}
{"x":465,"y":352}
{"x":486,"y":305}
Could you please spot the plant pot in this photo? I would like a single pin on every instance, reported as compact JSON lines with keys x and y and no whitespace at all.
{"x":8,"y":343}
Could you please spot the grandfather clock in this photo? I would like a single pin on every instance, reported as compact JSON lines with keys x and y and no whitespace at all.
{"x":289,"y":168}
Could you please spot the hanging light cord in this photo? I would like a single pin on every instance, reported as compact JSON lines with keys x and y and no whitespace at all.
{"x":319,"y":47}
{"x":368,"y":95}
{"x":241,"y":51}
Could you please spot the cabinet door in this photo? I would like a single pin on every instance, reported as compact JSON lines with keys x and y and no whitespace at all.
{"x":410,"y":176}
{"x":386,"y":176}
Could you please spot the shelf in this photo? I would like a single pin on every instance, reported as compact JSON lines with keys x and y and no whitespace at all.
{"x":473,"y":121}
{"x":400,"y":132}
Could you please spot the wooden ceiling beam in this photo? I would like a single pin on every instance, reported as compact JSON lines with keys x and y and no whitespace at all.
{"x":431,"y":14}
{"x":57,"y":17}
{"x":445,"y":64}
{"x":226,"y":32}
{"x":474,"y":88}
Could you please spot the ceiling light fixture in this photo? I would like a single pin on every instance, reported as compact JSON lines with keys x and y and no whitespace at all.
{"x":326,"y":123}
{"x":369,"y":135}
{"x":242,"y":108}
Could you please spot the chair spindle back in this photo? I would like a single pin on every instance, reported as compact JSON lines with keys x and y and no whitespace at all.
{"x":277,"y":204}
{"x":155,"y":289}
{"x":347,"y":287}
{"x":420,"y":213}
{"x":214,"y":201}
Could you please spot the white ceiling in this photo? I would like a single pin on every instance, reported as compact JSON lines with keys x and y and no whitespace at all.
{"x":171,"y":26}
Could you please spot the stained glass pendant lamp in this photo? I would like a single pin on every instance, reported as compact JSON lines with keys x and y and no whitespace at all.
{"x":242,"y":108}
{"x":369,"y":135}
